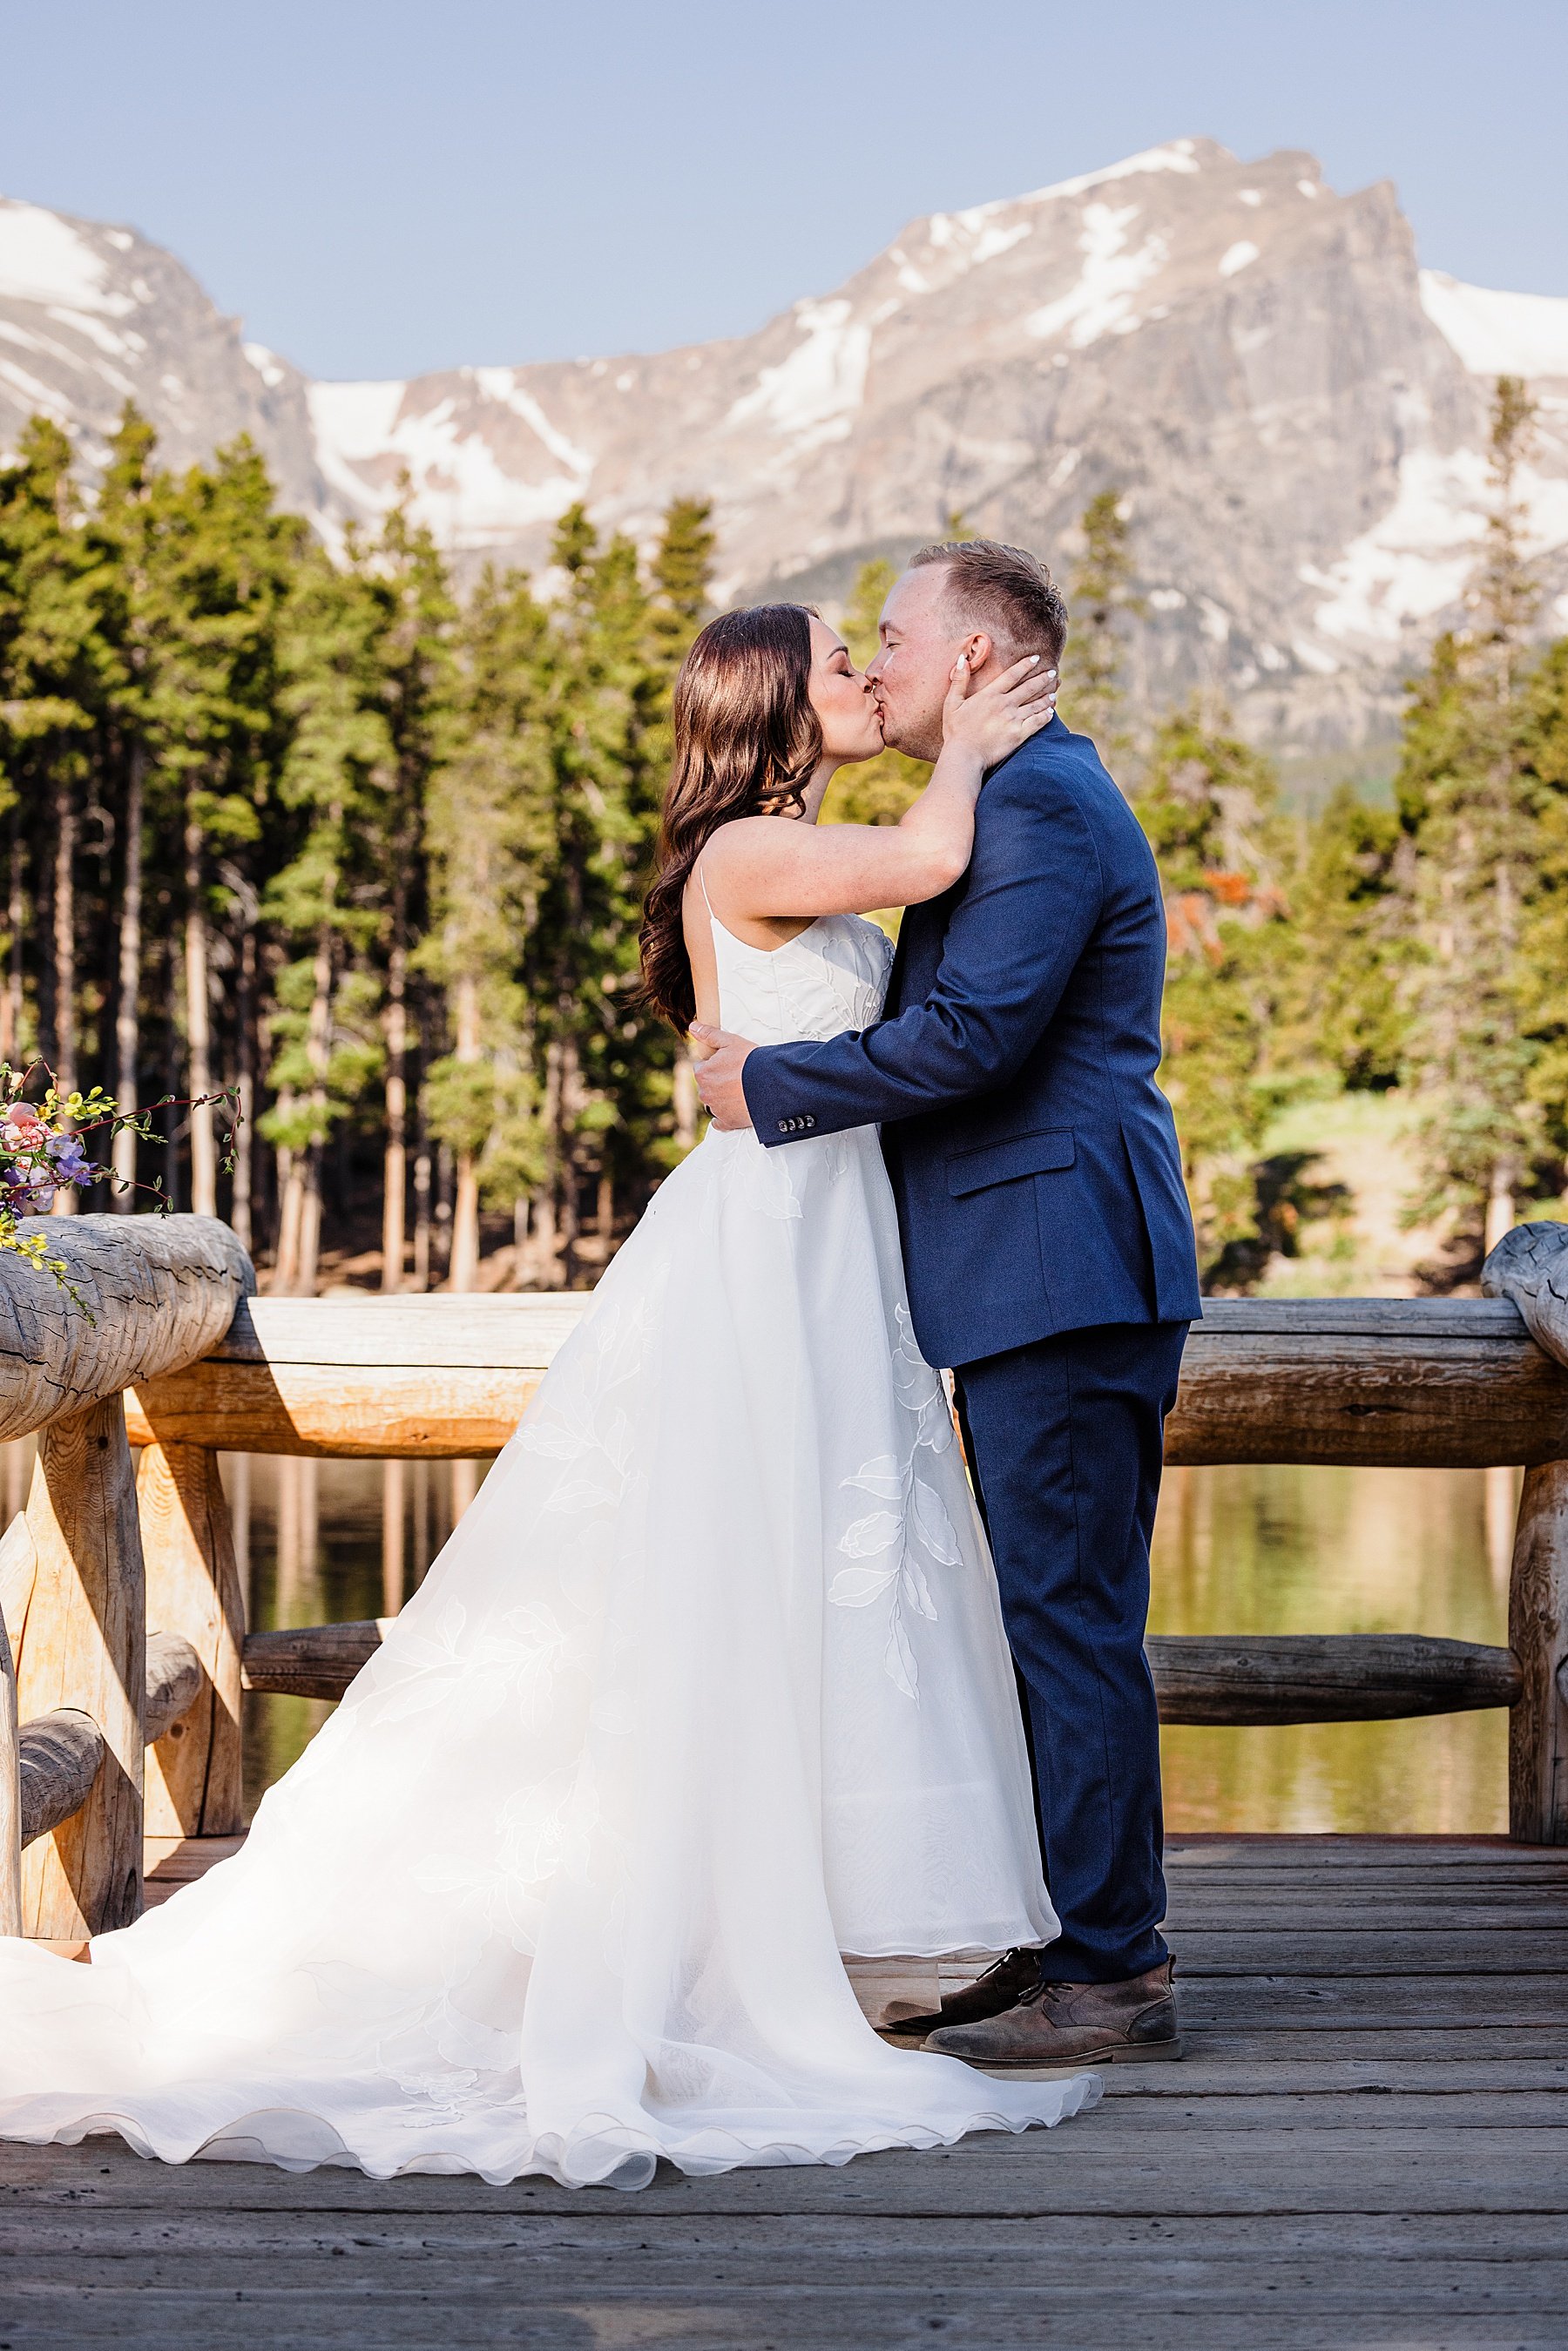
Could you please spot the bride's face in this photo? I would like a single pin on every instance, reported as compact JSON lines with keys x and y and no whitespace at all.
{"x":842,"y":699}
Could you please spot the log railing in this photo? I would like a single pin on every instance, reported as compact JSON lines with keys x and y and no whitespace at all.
{"x":1392,"y":1381}
{"x":1415,"y":1382}
{"x":83,"y":1688}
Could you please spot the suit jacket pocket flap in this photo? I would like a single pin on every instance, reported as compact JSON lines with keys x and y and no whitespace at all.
{"x":1003,"y":1163}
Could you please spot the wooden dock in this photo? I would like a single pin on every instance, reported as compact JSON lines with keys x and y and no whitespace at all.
{"x":1368,"y":2144}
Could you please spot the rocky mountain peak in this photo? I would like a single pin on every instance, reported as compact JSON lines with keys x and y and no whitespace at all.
{"x":1295,"y":414}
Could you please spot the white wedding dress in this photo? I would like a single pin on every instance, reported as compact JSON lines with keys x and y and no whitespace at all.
{"x":709,"y":1686}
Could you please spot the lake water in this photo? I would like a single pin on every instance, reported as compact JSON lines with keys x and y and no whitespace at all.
{"x":1238,"y":1549}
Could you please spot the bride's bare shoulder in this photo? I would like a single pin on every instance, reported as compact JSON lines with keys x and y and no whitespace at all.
{"x":745,"y":845}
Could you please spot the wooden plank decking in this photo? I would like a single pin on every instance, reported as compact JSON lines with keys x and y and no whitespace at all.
{"x":1368,"y":2144}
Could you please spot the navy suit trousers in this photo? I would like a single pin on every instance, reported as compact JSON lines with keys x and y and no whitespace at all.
{"x":1065,"y":1439}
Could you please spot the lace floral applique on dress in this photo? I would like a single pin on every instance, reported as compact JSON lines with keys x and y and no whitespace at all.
{"x":887,"y":1544}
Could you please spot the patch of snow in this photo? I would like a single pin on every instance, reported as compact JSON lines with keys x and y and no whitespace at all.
{"x":1414,"y":560}
{"x":909,"y":277}
{"x":1498,"y":334}
{"x":93,"y":329}
{"x":1214,"y":623}
{"x":121,"y":238}
{"x":1309,"y":187}
{"x":1109,"y":278}
{"x":1166,"y":600}
{"x":37,"y":394}
{"x":355,"y":420}
{"x":1315,"y":658}
{"x":1176,"y":157}
{"x":812,"y":393}
{"x":623,"y":383}
{"x":1271,"y":657}
{"x":1237,"y":258}
{"x":367,"y":436}
{"x":1560,"y":606}
{"x":1065,"y":467}
{"x":501,"y":384}
{"x":19,"y":335}
{"x":43,"y":259}
{"x":172,"y":385}
{"x":265,"y":362}
{"x":1249,"y":196}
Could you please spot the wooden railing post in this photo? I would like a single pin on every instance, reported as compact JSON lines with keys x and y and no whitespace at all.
{"x":84,"y":1648}
{"x":1538,"y":1636}
{"x":194,"y":1772}
{"x":10,"y":1794}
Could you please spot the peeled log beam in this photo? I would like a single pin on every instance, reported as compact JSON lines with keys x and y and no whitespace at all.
{"x":1413,"y":1382}
{"x":1295,"y":1678}
{"x":62,"y":1753}
{"x":310,"y":1660}
{"x":174,"y":1683}
{"x":159,"y":1291}
{"x":1423,"y":1382}
{"x":1326,"y":1677}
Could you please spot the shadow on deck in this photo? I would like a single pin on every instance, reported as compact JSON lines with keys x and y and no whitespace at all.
{"x":1368,"y":2144}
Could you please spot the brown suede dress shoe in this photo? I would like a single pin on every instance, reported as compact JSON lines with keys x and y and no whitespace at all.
{"x":1001,"y":1987}
{"x":1073,"y":2025}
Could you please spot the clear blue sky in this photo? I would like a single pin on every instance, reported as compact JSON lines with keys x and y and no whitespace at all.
{"x":380,"y":186}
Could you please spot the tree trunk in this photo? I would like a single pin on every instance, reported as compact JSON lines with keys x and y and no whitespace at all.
{"x":199,"y":1033}
{"x":394,"y":1165}
{"x":65,"y":912}
{"x":290,"y":1208}
{"x":128,"y":1007}
{"x":1500,"y":1204}
{"x":466,"y":1208}
{"x":443,"y":1188}
{"x":245,"y":1081}
{"x":318,"y":1046}
{"x":566,"y":1157}
{"x":16,"y":915}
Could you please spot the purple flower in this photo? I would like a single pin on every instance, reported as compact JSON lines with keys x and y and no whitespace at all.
{"x":69,"y":1160}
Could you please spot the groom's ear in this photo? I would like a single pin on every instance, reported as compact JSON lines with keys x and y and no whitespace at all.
{"x":980,"y":647}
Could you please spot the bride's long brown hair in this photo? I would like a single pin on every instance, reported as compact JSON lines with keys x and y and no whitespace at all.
{"x":746,"y":739}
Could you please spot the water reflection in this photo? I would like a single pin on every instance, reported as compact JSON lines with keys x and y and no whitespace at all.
{"x":1248,"y":1550}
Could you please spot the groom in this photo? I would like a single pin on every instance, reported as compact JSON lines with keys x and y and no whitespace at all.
{"x":1048,"y":1252}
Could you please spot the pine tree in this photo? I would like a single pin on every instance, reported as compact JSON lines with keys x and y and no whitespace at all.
{"x":489,"y":826}
{"x":1343,"y":1008}
{"x":1103,"y":598}
{"x":51,"y":687}
{"x":1542,"y":978}
{"x":1467,"y":801}
{"x":1209,"y":811}
{"x":325,"y":901}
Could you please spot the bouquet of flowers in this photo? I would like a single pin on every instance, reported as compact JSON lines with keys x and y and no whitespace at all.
{"x":42,"y":1152}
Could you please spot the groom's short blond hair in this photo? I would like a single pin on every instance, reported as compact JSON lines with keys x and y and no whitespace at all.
{"x":1005,"y":590}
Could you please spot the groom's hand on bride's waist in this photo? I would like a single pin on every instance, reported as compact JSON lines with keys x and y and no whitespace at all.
{"x":718,"y":1075}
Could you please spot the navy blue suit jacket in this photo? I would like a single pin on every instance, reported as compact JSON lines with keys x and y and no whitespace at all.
{"x":1033,"y":1158}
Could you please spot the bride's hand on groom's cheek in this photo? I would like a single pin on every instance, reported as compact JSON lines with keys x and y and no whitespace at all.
{"x":719,"y":1059}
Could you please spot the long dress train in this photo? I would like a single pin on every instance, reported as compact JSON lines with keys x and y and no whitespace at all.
{"x":709,"y":1686}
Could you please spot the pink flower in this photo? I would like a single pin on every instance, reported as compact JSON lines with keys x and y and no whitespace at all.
{"x":24,"y":1130}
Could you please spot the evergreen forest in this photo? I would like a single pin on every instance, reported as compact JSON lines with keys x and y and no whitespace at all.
{"x":334,"y":875}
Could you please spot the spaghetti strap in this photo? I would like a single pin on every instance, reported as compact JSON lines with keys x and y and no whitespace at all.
{"x":702,"y":885}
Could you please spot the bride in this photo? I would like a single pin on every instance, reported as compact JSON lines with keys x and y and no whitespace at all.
{"x":710,"y":1684}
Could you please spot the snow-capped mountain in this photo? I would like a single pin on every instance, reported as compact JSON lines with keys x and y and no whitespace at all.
{"x":1296,"y":414}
